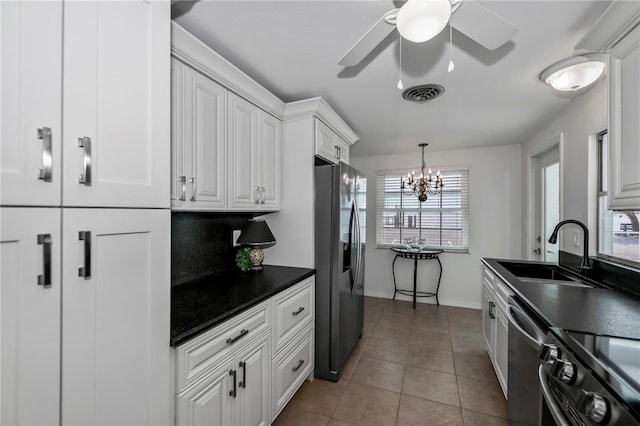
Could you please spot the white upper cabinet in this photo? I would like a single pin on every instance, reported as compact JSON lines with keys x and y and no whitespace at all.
{"x":255,"y":141}
{"x":116,"y":103}
{"x":198,"y":142}
{"x":30,"y":142}
{"x":624,"y":126}
{"x":329,"y":145}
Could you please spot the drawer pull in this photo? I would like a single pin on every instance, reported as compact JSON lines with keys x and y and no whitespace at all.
{"x":297,"y":367}
{"x":243,"y":382}
{"x":300,"y":309}
{"x":232,"y":392}
{"x":243,"y":333}
{"x":45,"y":278}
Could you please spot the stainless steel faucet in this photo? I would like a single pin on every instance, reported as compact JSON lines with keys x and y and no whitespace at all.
{"x":585,"y":241}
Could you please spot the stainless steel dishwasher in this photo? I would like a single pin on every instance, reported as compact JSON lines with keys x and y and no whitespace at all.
{"x":526,"y":337}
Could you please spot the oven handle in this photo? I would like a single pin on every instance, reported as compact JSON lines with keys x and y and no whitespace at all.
{"x":514,"y":312}
{"x":554,"y":409}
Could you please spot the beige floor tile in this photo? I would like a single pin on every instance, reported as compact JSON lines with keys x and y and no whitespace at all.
{"x":391,"y":331}
{"x":463,"y":314}
{"x":350,"y":365}
{"x":468,"y":343}
{"x":418,"y":411}
{"x":400,"y":319}
{"x":368,"y":327}
{"x":431,"y":339}
{"x":471,"y":418}
{"x":378,"y":373}
{"x":483,"y":396}
{"x":431,"y":359}
{"x":429,"y":322}
{"x":400,"y":307}
{"x":432,"y":310}
{"x":474,"y":366}
{"x":386,"y":350}
{"x":292,"y":416}
{"x":431,"y":385}
{"x":336,"y":422}
{"x":365,"y":405}
{"x":319,"y":396}
{"x":370,"y":302}
{"x":459,"y":326}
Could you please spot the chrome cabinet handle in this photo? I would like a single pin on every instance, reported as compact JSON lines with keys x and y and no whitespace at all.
{"x":256,"y":191}
{"x":85,"y":271}
{"x":243,"y":333}
{"x":300,"y":309}
{"x":337,"y":152}
{"x":183,"y":194}
{"x":44,"y":279}
{"x":262,"y":191}
{"x":297,"y":367}
{"x":85,"y":178}
{"x":491,"y":306}
{"x":192,"y":181}
{"x":243,"y":382}
{"x":45,"y":172}
{"x":232,"y":392}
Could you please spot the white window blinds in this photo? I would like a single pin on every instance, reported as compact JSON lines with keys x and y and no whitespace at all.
{"x":440,"y":222}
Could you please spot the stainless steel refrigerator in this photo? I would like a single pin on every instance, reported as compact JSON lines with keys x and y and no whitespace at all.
{"x":340,"y":213}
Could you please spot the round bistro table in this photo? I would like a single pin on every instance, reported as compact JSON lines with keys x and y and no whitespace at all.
{"x":416,"y":255}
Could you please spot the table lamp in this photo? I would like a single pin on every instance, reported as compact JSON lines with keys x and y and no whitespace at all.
{"x":257,"y":235}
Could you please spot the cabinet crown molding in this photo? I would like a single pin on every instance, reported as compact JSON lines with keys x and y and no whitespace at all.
{"x":320,"y":108}
{"x":193,"y":52}
{"x":612,"y":26}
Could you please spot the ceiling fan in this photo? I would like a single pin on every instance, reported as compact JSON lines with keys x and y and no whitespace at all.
{"x":470,"y":18}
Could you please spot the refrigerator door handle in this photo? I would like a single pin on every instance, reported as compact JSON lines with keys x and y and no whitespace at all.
{"x":357,"y":247}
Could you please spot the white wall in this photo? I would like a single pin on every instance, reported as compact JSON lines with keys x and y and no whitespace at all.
{"x":583,"y":117}
{"x":494,"y":223}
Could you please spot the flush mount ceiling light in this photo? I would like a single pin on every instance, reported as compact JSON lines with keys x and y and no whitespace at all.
{"x":421,"y":20}
{"x":575,"y":73}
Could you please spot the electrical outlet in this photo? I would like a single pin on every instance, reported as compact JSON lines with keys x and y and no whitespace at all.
{"x":236,"y":235}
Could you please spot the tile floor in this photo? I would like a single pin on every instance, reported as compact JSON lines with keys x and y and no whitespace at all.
{"x":422,"y":367}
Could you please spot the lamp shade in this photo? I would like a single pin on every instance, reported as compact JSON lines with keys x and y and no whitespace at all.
{"x":256,"y":233}
{"x":421,"y":20}
{"x":574,"y":73}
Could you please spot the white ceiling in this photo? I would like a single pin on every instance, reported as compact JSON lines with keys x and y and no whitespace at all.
{"x":491,"y":98}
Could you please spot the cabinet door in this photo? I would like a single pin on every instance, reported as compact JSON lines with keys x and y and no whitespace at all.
{"x":116,"y":96}
{"x":624,"y":131}
{"x":488,"y":322}
{"x":115,"y":352}
{"x":242,"y":147}
{"x":30,"y":316}
{"x":502,"y":349}
{"x":31,"y":37}
{"x":253,"y":403}
{"x":270,"y":162}
{"x":206,"y":147}
{"x":178,"y":186}
{"x":325,"y":142}
{"x":208,"y":403}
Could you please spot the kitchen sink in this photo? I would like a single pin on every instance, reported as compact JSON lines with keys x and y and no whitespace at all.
{"x":537,"y":271}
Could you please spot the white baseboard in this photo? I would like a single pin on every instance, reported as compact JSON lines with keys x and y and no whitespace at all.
{"x":429,"y":301}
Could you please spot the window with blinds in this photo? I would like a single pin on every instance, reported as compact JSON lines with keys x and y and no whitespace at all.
{"x":440,"y":222}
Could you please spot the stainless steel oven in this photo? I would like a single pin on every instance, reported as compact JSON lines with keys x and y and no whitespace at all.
{"x":588,"y":379}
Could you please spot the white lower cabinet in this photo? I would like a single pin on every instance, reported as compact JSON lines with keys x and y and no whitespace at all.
{"x":495,"y":327}
{"x":230,"y":375}
{"x":30,"y":250}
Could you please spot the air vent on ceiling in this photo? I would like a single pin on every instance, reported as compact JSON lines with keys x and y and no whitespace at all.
{"x":423,"y":93}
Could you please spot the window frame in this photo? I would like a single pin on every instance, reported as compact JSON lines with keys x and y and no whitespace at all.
{"x":465,"y":209}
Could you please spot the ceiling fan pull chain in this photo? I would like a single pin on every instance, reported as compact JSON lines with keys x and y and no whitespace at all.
{"x":400,"y":85}
{"x":451,"y":65}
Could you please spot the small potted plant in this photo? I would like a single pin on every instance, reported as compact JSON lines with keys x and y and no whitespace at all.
{"x":243,"y":259}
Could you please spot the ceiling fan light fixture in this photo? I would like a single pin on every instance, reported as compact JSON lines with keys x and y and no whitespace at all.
{"x":575,"y":73}
{"x":421,"y":20}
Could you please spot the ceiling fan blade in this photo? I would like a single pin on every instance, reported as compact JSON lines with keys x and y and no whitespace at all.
{"x":373,"y":37}
{"x":482,"y":25}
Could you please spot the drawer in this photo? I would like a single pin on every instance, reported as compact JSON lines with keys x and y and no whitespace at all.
{"x":198,"y":355}
{"x":502,"y":294}
{"x":293,"y":310}
{"x":291,"y":368}
{"x":488,"y":278}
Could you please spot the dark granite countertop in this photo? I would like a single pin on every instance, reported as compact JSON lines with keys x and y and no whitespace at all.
{"x":593,"y":310}
{"x":199,"y":305}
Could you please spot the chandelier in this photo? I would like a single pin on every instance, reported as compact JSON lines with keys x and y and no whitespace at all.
{"x":423,"y":185}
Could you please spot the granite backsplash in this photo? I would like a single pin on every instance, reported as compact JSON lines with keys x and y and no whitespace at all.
{"x":201,"y":244}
